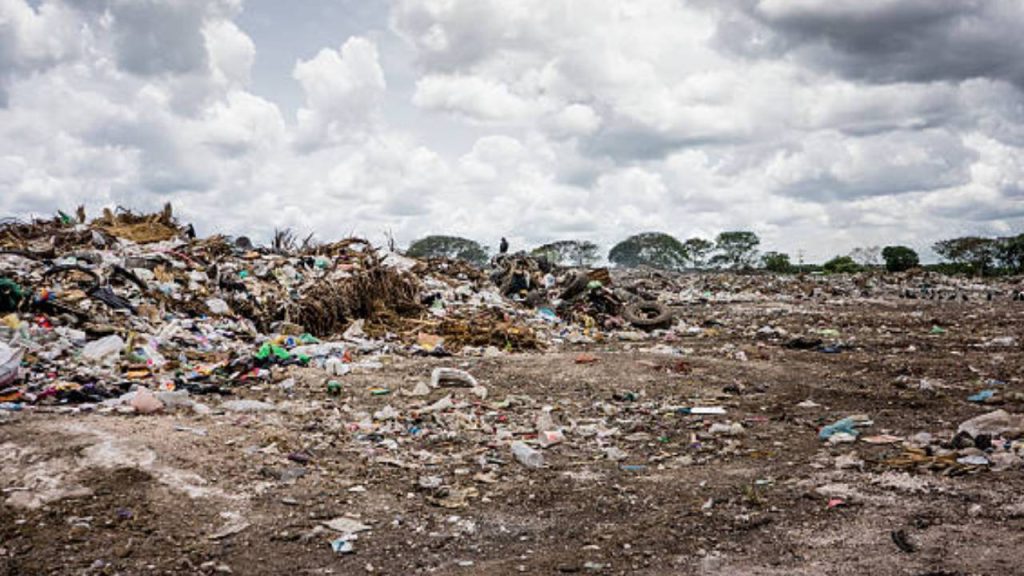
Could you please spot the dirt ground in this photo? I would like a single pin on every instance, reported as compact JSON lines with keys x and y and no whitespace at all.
{"x":248,"y":493}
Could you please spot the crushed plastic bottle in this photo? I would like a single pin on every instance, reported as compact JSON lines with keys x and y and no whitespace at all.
{"x":103,"y":350}
{"x":527,"y":456}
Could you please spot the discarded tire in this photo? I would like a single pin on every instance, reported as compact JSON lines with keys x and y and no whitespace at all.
{"x":648,"y":315}
{"x":575,"y":286}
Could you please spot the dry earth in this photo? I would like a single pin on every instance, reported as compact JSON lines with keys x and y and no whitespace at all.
{"x":178,"y":493}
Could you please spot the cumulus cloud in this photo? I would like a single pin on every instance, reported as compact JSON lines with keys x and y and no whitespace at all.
{"x":819,"y":124}
{"x":827,"y":166}
{"x":896,"y":40}
{"x":343,"y":88}
{"x":152,"y":37}
{"x":33,"y":39}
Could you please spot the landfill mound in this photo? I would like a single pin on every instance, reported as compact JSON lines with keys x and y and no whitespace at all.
{"x":172,"y":404}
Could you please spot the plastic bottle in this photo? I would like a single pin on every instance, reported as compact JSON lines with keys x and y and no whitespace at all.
{"x":103,"y":349}
{"x":527,"y":456}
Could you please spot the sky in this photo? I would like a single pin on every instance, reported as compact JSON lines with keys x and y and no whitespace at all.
{"x":821,"y":125}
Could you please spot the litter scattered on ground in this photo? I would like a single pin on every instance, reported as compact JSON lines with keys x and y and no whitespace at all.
{"x":342,"y":403}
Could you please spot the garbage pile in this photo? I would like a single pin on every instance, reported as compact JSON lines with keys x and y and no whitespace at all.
{"x":755,"y":287}
{"x":290,"y":390}
{"x":95,"y":309}
{"x":92,"y":310}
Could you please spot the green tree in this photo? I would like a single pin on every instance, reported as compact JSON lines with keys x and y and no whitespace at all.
{"x":899,"y":258}
{"x":841,"y":265}
{"x":568,"y":252}
{"x":1010,"y":253}
{"x":736,"y":249}
{"x":697,"y":251}
{"x":776,"y":262}
{"x":974,"y":251}
{"x":451,"y":247}
{"x":866,"y":256}
{"x":655,"y":249}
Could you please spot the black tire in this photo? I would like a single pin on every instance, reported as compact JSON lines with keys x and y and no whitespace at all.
{"x":577,"y":285}
{"x":648,"y":315}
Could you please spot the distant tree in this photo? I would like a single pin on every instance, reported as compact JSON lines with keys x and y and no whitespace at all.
{"x":697,"y":251}
{"x":899,"y":258}
{"x":1010,"y":253}
{"x":841,"y":265}
{"x":736,"y":249}
{"x":974,"y":251}
{"x":867,"y":256}
{"x":776,"y":262}
{"x":451,"y":247}
{"x":568,"y":252}
{"x":655,"y":249}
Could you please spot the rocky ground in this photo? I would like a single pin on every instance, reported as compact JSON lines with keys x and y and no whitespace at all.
{"x":404,"y":484}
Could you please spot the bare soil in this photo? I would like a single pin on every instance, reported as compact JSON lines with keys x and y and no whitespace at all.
{"x":93,"y":493}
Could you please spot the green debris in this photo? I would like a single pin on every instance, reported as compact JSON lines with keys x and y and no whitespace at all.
{"x":268,"y":350}
{"x":11,"y":295}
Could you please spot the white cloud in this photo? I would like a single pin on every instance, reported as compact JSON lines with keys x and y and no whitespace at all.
{"x":232,"y":53}
{"x":343,"y":90}
{"x":478,"y":98}
{"x":593,"y":120}
{"x":576,"y":120}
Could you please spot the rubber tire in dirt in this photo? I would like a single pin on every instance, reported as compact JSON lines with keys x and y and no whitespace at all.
{"x":577,"y":285}
{"x":648,"y":315}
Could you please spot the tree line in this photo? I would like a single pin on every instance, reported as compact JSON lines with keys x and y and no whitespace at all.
{"x":738,"y":250}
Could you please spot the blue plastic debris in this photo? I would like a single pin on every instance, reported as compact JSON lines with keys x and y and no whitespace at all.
{"x":342,"y":545}
{"x":846,"y":426}
{"x":548,"y":314}
{"x":981,"y":396}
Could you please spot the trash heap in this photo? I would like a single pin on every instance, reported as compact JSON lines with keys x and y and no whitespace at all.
{"x":342,"y":399}
{"x":92,"y":310}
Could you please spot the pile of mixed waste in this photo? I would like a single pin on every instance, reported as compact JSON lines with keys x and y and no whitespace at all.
{"x":91,"y":310}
